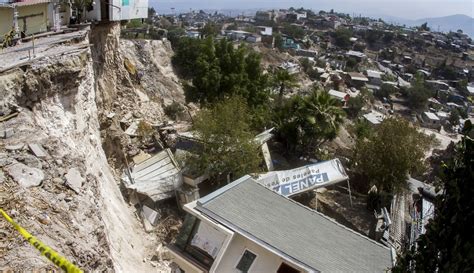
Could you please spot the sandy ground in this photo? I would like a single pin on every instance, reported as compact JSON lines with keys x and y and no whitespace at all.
{"x":442,"y":137}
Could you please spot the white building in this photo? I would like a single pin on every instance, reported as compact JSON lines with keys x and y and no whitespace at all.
{"x":254,"y":38}
{"x":291,"y":67}
{"x":374,"y":117}
{"x":246,"y":227}
{"x":338,"y":95}
{"x":375,"y":77}
{"x":265,"y":31}
{"x":117,"y":10}
{"x":431,"y":120}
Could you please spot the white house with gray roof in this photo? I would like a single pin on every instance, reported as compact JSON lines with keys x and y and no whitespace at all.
{"x":246,"y":227}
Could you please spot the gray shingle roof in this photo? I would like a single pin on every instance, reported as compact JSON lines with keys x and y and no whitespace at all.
{"x":296,"y":232}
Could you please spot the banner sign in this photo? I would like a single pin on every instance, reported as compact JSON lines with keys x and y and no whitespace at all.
{"x":299,"y":180}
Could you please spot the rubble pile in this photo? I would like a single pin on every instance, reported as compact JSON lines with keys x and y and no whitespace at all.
{"x":55,"y":180}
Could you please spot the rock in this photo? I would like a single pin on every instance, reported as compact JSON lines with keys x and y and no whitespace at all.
{"x":6,"y":160}
{"x":57,"y":180}
{"x":37,"y":150}
{"x":74,"y":179}
{"x":24,"y":175}
{"x":2,"y":177}
{"x":7,"y":133}
{"x":44,"y":219}
{"x":15,"y":147}
{"x":29,"y":160}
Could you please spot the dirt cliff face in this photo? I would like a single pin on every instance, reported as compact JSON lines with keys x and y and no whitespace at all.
{"x":74,"y":205}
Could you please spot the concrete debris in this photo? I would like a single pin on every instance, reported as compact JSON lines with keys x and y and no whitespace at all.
{"x":126,"y":118}
{"x":152,"y":216}
{"x":163,"y":252}
{"x":24,"y":175}
{"x":74,"y":179}
{"x":2,"y":177}
{"x":7,"y":133}
{"x":132,"y":129}
{"x":15,"y":147}
{"x":29,"y":160}
{"x":37,"y":150}
{"x":110,"y":115}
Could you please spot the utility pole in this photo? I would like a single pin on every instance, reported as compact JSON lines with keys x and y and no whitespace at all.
{"x":15,"y":22}
{"x":56,"y":22}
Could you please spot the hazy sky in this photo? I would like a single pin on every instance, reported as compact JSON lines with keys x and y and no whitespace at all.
{"x":409,"y":9}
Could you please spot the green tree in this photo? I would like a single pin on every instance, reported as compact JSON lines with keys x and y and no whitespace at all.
{"x":293,"y":31}
{"x":448,"y":244}
{"x":227,"y":141}
{"x":210,"y":29}
{"x":424,"y":27}
{"x":354,"y":105}
{"x":220,"y":70}
{"x":392,"y":151}
{"x":342,"y":37}
{"x":304,"y":123}
{"x":454,"y":117}
{"x":279,"y":41}
{"x":385,"y":91}
{"x":418,"y":94}
{"x":283,"y":81}
{"x":174,"y":35}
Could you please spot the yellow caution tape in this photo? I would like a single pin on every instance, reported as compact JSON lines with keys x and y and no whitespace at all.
{"x":45,"y":250}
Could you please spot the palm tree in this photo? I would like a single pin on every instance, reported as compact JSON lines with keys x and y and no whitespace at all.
{"x":284,"y":80}
{"x":323,"y":115}
{"x":304,"y":123}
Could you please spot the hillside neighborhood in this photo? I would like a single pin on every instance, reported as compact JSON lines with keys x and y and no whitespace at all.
{"x":289,"y":140}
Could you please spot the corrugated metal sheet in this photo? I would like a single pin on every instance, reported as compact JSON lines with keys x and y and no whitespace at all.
{"x":156,"y":177}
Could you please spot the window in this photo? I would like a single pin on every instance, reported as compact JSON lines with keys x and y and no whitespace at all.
{"x":186,"y":231}
{"x":246,"y":261}
{"x":284,"y":268}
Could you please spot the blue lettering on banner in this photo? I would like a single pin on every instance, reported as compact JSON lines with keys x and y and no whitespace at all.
{"x":302,"y":184}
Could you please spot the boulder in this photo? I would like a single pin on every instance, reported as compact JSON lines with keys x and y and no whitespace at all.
{"x":74,"y":179}
{"x":25,"y":176}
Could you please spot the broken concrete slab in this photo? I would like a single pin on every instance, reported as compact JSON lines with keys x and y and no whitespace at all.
{"x":37,"y":150}
{"x":132,"y":129}
{"x":25,"y":176}
{"x":15,"y":147}
{"x":7,"y":133}
{"x":74,"y":179}
{"x":152,"y":216}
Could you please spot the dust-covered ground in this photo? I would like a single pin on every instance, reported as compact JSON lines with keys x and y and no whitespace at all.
{"x":55,"y":174}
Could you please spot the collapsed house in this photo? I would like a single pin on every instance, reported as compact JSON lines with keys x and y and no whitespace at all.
{"x":188,"y":142}
{"x":246,"y":227}
{"x":152,"y":181}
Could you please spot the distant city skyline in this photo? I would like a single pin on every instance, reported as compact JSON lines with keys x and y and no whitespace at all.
{"x":407,"y":9}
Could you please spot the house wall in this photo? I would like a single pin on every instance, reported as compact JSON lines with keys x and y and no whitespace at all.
{"x":266,"y":261}
{"x":129,"y":9}
{"x":34,"y":24}
{"x":6,"y":21}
